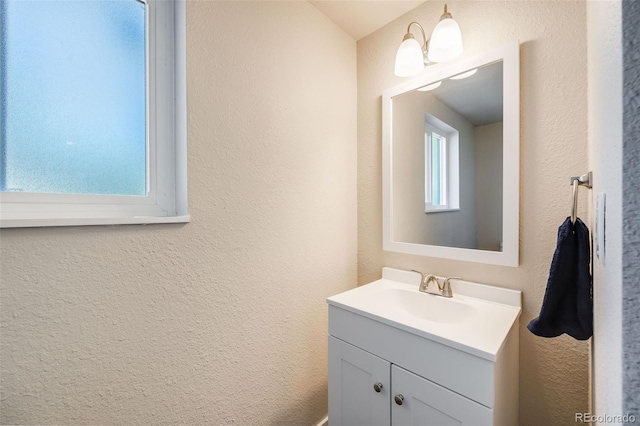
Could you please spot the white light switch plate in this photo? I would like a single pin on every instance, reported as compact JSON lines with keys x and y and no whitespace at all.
{"x":601,"y":210}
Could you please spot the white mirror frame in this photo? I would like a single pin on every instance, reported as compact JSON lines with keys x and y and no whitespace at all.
{"x":509,"y":256}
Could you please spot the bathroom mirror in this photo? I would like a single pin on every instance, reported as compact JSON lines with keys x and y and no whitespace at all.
{"x":451,"y":160}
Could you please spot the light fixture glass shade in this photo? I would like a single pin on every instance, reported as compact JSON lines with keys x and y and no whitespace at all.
{"x":430,"y":86}
{"x":446,"y":41}
{"x":409,"y":59}
{"x":464,"y":74}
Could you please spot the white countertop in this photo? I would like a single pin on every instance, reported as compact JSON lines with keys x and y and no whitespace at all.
{"x":475,"y":320}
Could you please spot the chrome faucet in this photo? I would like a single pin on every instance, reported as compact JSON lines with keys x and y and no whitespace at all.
{"x":443,"y":289}
{"x":425,"y":282}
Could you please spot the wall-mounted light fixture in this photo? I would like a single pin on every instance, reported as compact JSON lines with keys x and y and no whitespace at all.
{"x":444,"y":45}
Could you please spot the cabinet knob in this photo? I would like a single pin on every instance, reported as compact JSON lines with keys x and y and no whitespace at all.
{"x":377,"y":387}
{"x":399,"y":399}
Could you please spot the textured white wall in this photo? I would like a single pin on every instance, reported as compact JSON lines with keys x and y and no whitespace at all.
{"x":605,"y":159}
{"x":631,"y":206}
{"x":554,"y":372}
{"x":222,"y":320}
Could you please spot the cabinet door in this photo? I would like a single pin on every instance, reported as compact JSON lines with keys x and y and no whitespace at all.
{"x":359,"y":386}
{"x":425,"y":403}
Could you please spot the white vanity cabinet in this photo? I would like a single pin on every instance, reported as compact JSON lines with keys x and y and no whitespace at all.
{"x":359,"y":386}
{"x":388,"y":368}
{"x":418,"y":402}
{"x":367,"y":390}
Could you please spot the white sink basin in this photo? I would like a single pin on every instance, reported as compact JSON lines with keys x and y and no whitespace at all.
{"x":428,"y":306}
{"x":476,"y":319}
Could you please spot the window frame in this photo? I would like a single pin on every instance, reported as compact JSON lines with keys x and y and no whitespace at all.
{"x":166,"y":200}
{"x":443,"y":170}
{"x":449,"y":166}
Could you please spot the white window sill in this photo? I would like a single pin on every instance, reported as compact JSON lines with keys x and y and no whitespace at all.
{"x":87,"y":221}
{"x":441,"y":210}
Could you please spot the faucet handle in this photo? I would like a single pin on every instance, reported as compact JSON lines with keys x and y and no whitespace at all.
{"x":422,"y":276}
{"x":446,"y":287}
{"x":424,"y":281}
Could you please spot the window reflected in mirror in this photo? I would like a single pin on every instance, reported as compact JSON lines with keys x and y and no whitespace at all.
{"x":441,"y":168}
{"x":448,"y":161}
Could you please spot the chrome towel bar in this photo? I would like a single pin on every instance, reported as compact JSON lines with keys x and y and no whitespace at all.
{"x":576,"y":181}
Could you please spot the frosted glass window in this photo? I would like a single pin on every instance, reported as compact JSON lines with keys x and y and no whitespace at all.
{"x":74,"y":103}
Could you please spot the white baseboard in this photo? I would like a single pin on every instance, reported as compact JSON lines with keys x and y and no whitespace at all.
{"x":324,"y":422}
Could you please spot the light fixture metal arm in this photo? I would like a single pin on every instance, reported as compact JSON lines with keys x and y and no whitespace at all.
{"x":409,"y":35}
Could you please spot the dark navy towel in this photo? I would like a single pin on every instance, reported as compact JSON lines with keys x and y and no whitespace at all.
{"x":567,"y":306}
